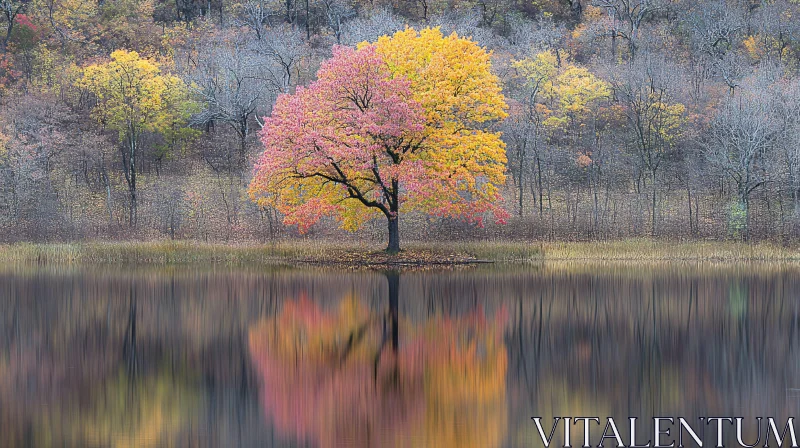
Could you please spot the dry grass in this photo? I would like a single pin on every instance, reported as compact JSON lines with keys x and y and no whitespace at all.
{"x":161,"y":252}
{"x":298,"y":251}
{"x":499,"y":251}
{"x":325,"y":252}
{"x":649,"y":250}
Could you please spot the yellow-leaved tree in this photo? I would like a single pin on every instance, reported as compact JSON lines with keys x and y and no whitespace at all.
{"x":451,"y":78}
{"x":568,"y":93}
{"x":562,"y":102}
{"x":133,"y":97}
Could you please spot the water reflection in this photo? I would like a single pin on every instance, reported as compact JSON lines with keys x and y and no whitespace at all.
{"x":351,"y":377}
{"x":140,"y":412}
{"x":281,"y":357}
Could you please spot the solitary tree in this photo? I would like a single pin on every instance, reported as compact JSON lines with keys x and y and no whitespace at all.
{"x":134,"y":97}
{"x":372,"y":134}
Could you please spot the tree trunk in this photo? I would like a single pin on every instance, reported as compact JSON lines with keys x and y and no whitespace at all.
{"x":689,"y":195}
{"x":613,"y":45}
{"x":393,"y":277}
{"x":539,"y":180}
{"x":8,"y":34}
{"x":132,"y":183}
{"x":308,"y":23}
{"x":394,"y":235}
{"x":745,"y":200}
{"x":132,"y":206}
{"x":796,"y":201}
{"x":521,"y":156}
{"x":129,"y":350}
{"x":394,"y":218}
{"x":107,"y":183}
{"x":653,"y":216}
{"x":244,"y":131}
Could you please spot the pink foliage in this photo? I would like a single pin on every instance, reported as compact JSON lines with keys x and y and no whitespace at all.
{"x":339,"y":126}
{"x":24,"y":21}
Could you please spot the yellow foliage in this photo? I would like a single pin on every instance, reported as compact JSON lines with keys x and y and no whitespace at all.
{"x":69,"y":18}
{"x":561,"y":95}
{"x":54,"y":73}
{"x":671,"y":118}
{"x":450,"y":75}
{"x":137,"y":413}
{"x":538,"y":71}
{"x":4,"y":139}
{"x":134,"y":96}
{"x":451,"y":78}
{"x":304,"y":331}
{"x":760,"y":46}
{"x":752,"y":48}
{"x":576,"y":88}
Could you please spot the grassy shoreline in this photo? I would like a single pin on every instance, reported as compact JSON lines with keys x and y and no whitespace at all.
{"x":415,"y":253}
{"x":285,"y":252}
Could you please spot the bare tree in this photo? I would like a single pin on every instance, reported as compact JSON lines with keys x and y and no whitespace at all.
{"x":776,"y":30}
{"x":336,"y":12}
{"x":788,"y":110}
{"x":715,"y":32}
{"x":284,"y":53}
{"x":739,"y":139}
{"x":369,"y":27}
{"x":237,"y":77}
{"x":715,"y":27}
{"x":543,"y":34}
{"x":468,"y":24}
{"x":627,"y":17}
{"x":522,"y":134}
{"x":229,"y":78}
{"x":255,"y":14}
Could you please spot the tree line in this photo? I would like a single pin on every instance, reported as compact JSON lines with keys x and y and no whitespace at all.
{"x":662,"y":118}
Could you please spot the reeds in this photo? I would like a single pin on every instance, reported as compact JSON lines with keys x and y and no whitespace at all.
{"x":167,"y":252}
{"x":322,"y":252}
{"x":651,"y":250}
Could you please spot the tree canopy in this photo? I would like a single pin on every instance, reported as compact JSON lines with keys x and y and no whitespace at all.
{"x":390,"y":127}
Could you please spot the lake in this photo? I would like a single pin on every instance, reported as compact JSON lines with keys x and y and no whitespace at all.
{"x":280,"y":356}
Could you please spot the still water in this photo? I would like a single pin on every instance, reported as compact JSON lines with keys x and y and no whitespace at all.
{"x":216,"y":356}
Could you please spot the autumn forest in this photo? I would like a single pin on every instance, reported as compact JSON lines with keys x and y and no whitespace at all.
{"x":251,"y":121}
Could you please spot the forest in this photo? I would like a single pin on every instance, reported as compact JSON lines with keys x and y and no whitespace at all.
{"x":143,"y":119}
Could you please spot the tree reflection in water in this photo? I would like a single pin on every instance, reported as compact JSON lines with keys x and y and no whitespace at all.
{"x":88,"y":355}
{"x":353,"y":377}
